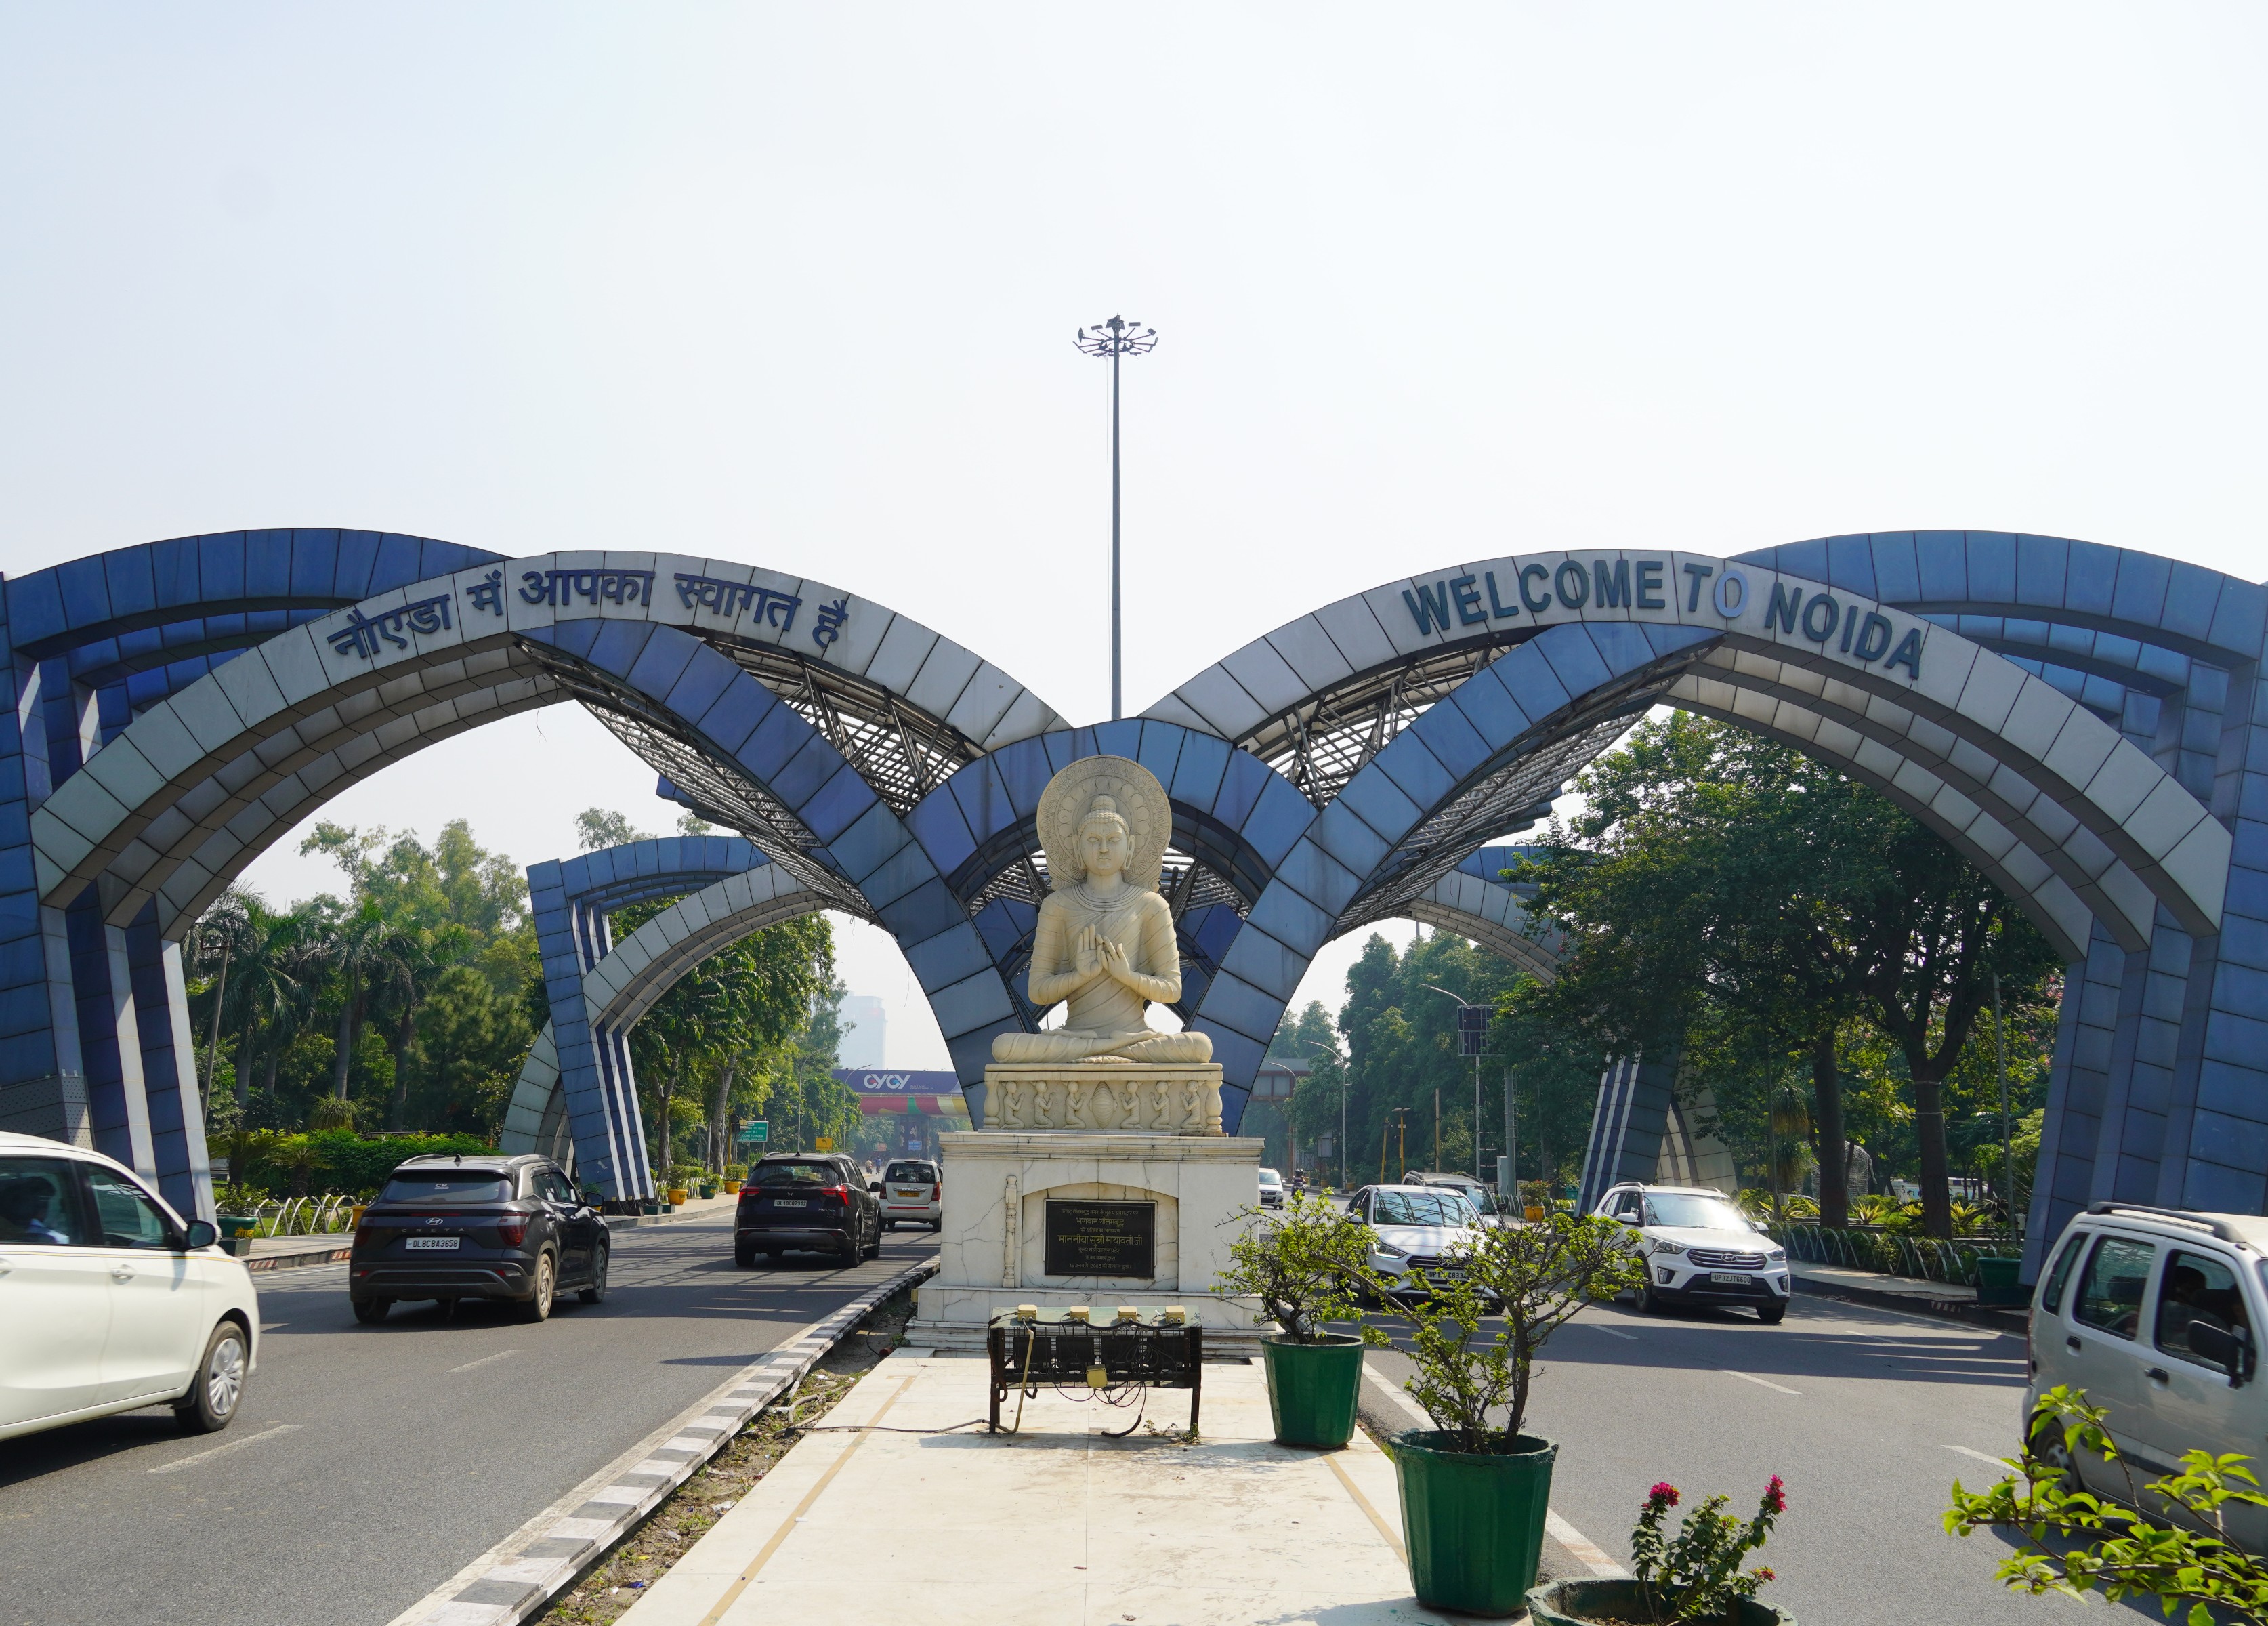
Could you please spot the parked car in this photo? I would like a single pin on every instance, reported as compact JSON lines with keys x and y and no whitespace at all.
{"x":1700,"y":1250}
{"x":1414,"y":1229}
{"x":447,"y":1228}
{"x":1271,"y":1188}
{"x":2155,"y":1312}
{"x":109,"y":1301}
{"x":913,"y":1194}
{"x":814,"y":1201}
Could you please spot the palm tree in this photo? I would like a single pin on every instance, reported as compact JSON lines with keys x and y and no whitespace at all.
{"x":421,"y":955}
{"x":364,"y":949}
{"x":269,"y":987}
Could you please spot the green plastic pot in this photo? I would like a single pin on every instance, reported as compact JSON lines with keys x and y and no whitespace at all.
{"x":1997,"y":1284}
{"x":1578,"y":1603}
{"x":1474,"y":1523}
{"x":1312,"y":1389}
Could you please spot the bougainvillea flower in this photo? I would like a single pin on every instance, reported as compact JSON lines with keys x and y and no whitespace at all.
{"x":1665,"y":1493}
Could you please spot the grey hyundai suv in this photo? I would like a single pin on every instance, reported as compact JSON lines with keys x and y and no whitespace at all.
{"x":473,"y":1227}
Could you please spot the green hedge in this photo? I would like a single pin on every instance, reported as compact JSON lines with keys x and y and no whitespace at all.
{"x":337,"y":1159}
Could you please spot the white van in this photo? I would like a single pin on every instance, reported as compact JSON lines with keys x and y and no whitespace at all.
{"x":109,"y":1301}
{"x":2153,"y":1312}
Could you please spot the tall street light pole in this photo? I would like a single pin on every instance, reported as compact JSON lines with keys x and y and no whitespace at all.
{"x":1115,"y":338}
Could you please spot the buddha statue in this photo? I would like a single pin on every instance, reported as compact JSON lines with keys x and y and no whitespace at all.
{"x":1104,"y":945}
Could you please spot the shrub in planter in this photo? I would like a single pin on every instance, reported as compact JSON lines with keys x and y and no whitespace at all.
{"x":1302,"y":1261}
{"x":1474,"y":1495}
{"x":2076,"y":1542}
{"x":1695,"y":1577}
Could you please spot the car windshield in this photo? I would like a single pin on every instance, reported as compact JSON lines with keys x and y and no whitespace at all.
{"x":910,"y":1171}
{"x":1671,"y":1208}
{"x":445,"y":1186}
{"x":798,"y":1175}
{"x":1270,"y":1177}
{"x":1420,"y":1207}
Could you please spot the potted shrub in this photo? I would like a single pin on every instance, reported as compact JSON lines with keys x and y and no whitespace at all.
{"x":1474,"y":1495}
{"x":1696,"y":1578}
{"x":734,"y":1174}
{"x":2069,"y":1540}
{"x":1303,"y":1261}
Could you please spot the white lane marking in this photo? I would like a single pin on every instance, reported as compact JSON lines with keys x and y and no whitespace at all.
{"x":1752,"y":1378}
{"x":222,"y":1451}
{"x":1979,"y":1455}
{"x":483,"y":1361}
{"x":1585,"y":1549}
{"x":1612,"y":1332}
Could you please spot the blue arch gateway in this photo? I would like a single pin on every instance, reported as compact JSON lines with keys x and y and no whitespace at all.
{"x":2084,"y":723}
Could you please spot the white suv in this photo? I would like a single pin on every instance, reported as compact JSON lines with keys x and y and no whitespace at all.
{"x":2154,"y":1312}
{"x":1416,"y":1232}
{"x":912,"y":1190}
{"x":1699,"y":1249}
{"x":108,"y":1301}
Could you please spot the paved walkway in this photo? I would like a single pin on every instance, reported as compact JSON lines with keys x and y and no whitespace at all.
{"x":880,"y":1519}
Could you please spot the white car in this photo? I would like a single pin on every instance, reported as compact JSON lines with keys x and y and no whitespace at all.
{"x":1699,"y":1249}
{"x":2154,"y":1312}
{"x":1271,"y":1188}
{"x":108,"y":1300}
{"x":912,"y":1190}
{"x":1415,"y":1228}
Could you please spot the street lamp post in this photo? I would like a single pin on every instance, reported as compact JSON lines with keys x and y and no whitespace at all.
{"x":1462,"y":1007}
{"x":1115,"y":338}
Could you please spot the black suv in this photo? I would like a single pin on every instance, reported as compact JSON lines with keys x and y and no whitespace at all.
{"x":451,"y":1228}
{"x":812,"y":1200}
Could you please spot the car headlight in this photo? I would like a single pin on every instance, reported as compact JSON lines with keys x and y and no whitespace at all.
{"x":1389,"y":1251}
{"x":1660,"y":1246}
{"x":1778,"y":1256}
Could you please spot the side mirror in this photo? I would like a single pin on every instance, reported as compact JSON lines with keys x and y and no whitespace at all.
{"x":1629,"y":1219}
{"x":874,"y":1185}
{"x":201,"y":1234}
{"x":2223,"y":1348}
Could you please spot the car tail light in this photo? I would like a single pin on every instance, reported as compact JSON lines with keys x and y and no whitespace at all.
{"x":364,"y":1237}
{"x":511,"y":1231}
{"x":841,"y":1194}
{"x":935,"y":1192}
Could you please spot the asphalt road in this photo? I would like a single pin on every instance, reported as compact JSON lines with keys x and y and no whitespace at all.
{"x":1868,"y":1415}
{"x":369,"y":1464}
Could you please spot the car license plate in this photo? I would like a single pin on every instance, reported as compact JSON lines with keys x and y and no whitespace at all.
{"x":1728,"y":1278}
{"x":790,"y":1202}
{"x":441,"y":1244}
{"x":912,"y":1192}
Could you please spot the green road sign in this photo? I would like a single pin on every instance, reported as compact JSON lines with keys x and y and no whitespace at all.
{"x":756,"y":1134}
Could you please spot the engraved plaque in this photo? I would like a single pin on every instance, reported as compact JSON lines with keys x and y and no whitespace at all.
{"x":1117,"y":1239}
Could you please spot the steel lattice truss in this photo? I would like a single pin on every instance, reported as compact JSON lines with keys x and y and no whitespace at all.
{"x":900,"y":750}
{"x":714,"y":786}
{"x":1510,"y":800}
{"x":1324,"y":741}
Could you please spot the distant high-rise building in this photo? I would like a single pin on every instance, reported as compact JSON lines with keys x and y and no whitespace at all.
{"x":863,"y":1028}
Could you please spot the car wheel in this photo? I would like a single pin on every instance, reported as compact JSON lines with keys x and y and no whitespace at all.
{"x":744,"y":1256}
{"x":218,"y":1386}
{"x":597,"y":1290}
{"x":1649,"y":1302}
{"x":937,"y":1226}
{"x":370,"y":1311}
{"x":538,"y":1307}
{"x":1772,"y":1314}
{"x":2049,"y":1447}
{"x":874,"y":1247}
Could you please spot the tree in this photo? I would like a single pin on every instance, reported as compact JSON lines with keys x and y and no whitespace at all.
{"x":1718,"y":880}
{"x":596,"y":827}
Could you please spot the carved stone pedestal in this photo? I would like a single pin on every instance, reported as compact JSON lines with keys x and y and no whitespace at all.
{"x":1061,"y":1217}
{"x":1103,"y":1096}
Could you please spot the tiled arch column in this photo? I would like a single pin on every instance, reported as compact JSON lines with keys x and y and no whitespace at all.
{"x":2159,"y":1087}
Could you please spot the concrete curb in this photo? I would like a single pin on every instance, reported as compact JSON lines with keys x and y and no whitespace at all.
{"x":536,"y":1562}
{"x":330,"y":1254}
{"x":1968,"y":1310}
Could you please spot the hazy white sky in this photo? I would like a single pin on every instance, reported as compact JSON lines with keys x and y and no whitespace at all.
{"x":796,"y":284}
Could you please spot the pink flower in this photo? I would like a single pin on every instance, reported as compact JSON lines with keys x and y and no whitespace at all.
{"x":1763,"y":1573}
{"x":1775,"y":1497}
{"x":1665,"y":1494}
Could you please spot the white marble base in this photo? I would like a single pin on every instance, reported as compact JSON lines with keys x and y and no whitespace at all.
{"x":993,"y":1246}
